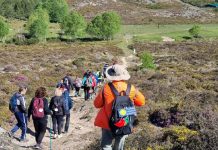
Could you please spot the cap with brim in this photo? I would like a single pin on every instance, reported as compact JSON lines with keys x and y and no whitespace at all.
{"x":117,"y":73}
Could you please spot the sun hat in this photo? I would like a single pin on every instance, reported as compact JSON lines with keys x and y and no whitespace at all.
{"x":117,"y":73}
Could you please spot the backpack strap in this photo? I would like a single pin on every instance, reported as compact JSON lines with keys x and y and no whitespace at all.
{"x":114,"y":90}
{"x":128,"y":89}
{"x":117,"y":93}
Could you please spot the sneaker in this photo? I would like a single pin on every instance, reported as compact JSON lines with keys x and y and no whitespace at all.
{"x":37,"y":146}
{"x":60,"y":136}
{"x":65,"y":132}
{"x":23,"y":140}
{"x":55,"y":136}
{"x":10,"y":134}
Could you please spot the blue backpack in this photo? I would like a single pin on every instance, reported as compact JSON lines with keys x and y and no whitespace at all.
{"x":13,"y":103}
{"x":123,"y":113}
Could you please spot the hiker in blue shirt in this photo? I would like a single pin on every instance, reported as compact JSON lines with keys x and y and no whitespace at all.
{"x":87,"y":84}
{"x":68,"y":105}
{"x":18,"y":107}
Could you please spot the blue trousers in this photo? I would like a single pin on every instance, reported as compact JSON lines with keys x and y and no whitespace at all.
{"x":21,"y":124}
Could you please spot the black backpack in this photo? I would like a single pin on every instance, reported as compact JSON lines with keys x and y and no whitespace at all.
{"x":123,"y":112}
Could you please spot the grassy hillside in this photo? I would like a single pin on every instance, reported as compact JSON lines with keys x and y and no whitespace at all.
{"x":182,"y":112}
{"x":182,"y":89}
{"x":141,"y":12}
{"x":45,"y":64}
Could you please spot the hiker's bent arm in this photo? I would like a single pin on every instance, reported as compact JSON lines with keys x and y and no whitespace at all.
{"x":30,"y":108}
{"x":139,"y":99}
{"x":51,"y":104}
{"x":22,"y":105}
{"x":46,"y":108}
{"x":98,"y":102}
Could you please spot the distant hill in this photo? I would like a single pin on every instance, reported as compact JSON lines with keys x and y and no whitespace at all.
{"x":146,"y":11}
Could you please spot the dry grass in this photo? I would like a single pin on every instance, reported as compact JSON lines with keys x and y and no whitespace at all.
{"x":45,"y":64}
{"x":182,"y":92}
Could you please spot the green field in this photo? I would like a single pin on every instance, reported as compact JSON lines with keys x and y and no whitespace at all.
{"x":137,"y":32}
{"x":177,"y":32}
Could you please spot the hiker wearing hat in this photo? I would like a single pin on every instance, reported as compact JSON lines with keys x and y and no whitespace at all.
{"x":117,"y":101}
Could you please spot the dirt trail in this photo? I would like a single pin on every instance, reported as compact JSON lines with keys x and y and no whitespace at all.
{"x":81,"y":131}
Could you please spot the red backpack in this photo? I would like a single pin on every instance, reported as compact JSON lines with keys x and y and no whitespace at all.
{"x":38,"y":108}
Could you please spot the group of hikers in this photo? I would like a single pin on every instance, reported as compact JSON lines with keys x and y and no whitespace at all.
{"x":116,"y":100}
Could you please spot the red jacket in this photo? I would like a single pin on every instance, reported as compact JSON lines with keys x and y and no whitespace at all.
{"x":105,"y":104}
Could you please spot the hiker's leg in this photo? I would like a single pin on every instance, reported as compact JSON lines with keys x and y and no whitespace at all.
{"x":60,"y":123}
{"x":119,"y":142}
{"x":54,"y":123}
{"x":106,"y":140}
{"x":42,"y":130}
{"x":24,"y":130}
{"x":78,"y":91}
{"x":67,"y":122}
{"x":15,"y":128}
{"x":36,"y":126}
{"x":88,"y":94}
{"x":85,"y":93}
{"x":22,"y":119}
{"x":18,"y":125}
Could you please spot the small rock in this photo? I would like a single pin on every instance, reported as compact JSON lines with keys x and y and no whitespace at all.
{"x":10,"y":68}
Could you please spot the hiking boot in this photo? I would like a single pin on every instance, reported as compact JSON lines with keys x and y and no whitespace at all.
{"x":55,"y":136}
{"x":60,"y":136}
{"x":11,"y":134}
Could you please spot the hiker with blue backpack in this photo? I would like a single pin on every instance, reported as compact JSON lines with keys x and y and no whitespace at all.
{"x":17,"y":106}
{"x":117,"y":101}
{"x":87,"y":85}
{"x":39,"y":111}
{"x":68,"y":102}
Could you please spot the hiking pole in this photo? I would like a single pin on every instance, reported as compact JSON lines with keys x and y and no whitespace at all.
{"x":50,"y":133}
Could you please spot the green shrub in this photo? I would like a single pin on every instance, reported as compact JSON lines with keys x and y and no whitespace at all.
{"x":74,"y":25}
{"x":105,"y":26}
{"x":39,"y":13}
{"x":20,"y":9}
{"x":147,"y":61}
{"x":4,"y":28}
{"x":154,"y":6}
{"x":39,"y":30}
{"x":57,"y":9}
{"x":38,"y":24}
{"x":195,"y":31}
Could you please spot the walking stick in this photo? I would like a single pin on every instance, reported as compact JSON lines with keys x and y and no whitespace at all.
{"x":50,"y":134}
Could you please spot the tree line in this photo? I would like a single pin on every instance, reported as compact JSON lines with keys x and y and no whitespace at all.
{"x":73,"y":25}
